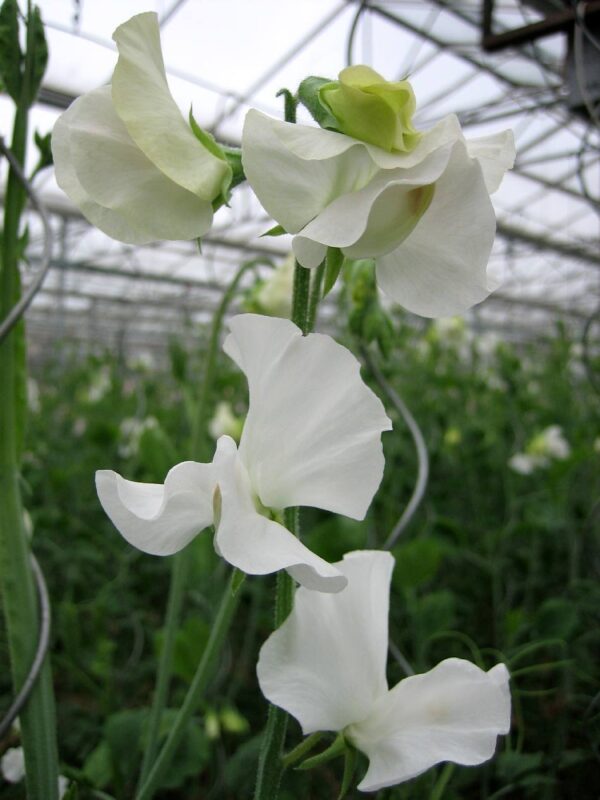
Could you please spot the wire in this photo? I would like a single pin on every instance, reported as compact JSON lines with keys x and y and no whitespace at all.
{"x":40,"y":653}
{"x":352,"y":32}
{"x":19,"y":308}
{"x":420,"y":446}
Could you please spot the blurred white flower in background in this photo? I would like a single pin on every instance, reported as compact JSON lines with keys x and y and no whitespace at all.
{"x":225,"y":423}
{"x":100,"y":384}
{"x":12,"y":767}
{"x":326,"y":665}
{"x":33,"y":395}
{"x":130,"y":432}
{"x":548,"y":446}
{"x":273,"y":294}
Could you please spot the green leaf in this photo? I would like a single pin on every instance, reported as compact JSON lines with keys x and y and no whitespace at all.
{"x":98,"y":766}
{"x":38,"y":57}
{"x":11,"y":57}
{"x":276,"y":230}
{"x":417,"y":562}
{"x":333,"y":265}
{"x":308,"y":95}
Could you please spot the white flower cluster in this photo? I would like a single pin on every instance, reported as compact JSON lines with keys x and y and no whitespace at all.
{"x":417,"y":202}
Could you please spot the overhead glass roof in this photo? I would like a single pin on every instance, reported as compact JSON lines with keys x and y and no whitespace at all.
{"x":225,"y":56}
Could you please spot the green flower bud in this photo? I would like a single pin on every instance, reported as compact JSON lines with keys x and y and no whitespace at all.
{"x":371,"y":109}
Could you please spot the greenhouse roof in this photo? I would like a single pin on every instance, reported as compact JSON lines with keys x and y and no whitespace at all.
{"x":226,"y":56}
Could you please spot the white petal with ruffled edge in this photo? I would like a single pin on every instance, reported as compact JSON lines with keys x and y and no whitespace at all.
{"x":326,"y":664}
{"x":294,"y":188}
{"x":312,"y":436}
{"x":441,"y":268}
{"x":144,"y":103}
{"x":252,"y":542}
{"x":374,"y":220}
{"x":495,"y":154}
{"x":160,"y":519}
{"x":454,"y":712}
{"x":120,"y":191}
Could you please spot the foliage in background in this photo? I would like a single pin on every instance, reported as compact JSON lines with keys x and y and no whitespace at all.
{"x":495,"y":566}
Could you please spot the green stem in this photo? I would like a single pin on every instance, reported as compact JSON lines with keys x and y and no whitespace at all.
{"x":180,"y":563}
{"x":300,"y":298}
{"x":38,"y":731}
{"x":270,"y":762}
{"x":196,"y":690}
{"x":315,"y":296}
{"x":442,"y":782}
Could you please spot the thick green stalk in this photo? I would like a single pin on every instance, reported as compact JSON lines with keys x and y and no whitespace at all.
{"x":181,"y":562}
{"x":315,"y":296}
{"x":195,"y":692}
{"x":38,"y":728}
{"x":270,"y":762}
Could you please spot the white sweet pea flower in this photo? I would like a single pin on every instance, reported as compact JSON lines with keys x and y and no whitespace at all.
{"x":311,"y":438}
{"x":548,"y":446}
{"x":422,"y":212}
{"x":12,"y":765}
{"x":126,"y":157}
{"x":326,"y":666}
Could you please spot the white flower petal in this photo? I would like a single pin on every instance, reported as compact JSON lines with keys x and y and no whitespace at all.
{"x":326,"y":664}
{"x":377,"y":218}
{"x":294,"y":185}
{"x":144,"y":103}
{"x":308,"y":253}
{"x":160,"y":519}
{"x":117,"y":188}
{"x":312,"y":436}
{"x":454,"y":712}
{"x":440,"y":269}
{"x":495,"y":154}
{"x":258,"y":545}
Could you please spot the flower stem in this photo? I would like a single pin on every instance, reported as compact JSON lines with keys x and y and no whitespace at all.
{"x":17,"y":586}
{"x":315,"y":296}
{"x":180,"y":562}
{"x":300,"y":298}
{"x":197,"y":687}
{"x":270,"y":762}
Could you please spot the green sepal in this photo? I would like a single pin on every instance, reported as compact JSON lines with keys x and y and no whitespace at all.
{"x":290,"y":104}
{"x":199,"y":245}
{"x":43,"y":144}
{"x":39,"y":56}
{"x":208,"y":141}
{"x":335,"y":749}
{"x":333,"y":264}
{"x":238,"y":579}
{"x":234,"y":159}
{"x":11,"y":57}
{"x":308,"y":95}
{"x":305,"y":746}
{"x":277,"y":230}
{"x":349,"y":768}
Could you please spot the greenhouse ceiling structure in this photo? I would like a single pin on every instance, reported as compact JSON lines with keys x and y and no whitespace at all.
{"x":530,"y":66}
